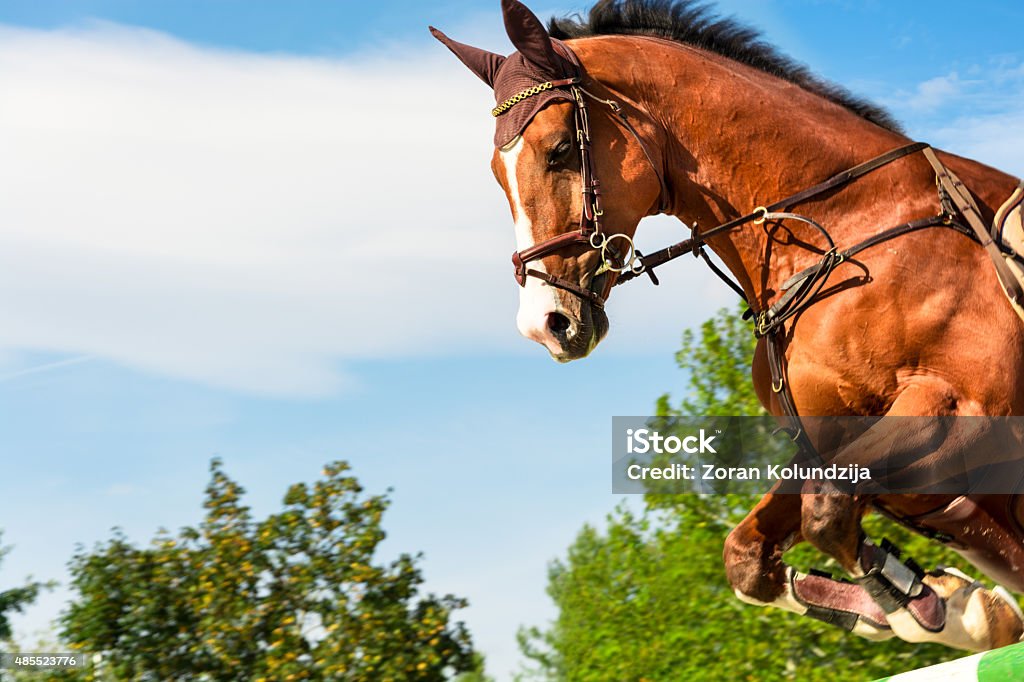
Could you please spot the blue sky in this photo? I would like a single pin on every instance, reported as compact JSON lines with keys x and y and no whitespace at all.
{"x":192,"y":213}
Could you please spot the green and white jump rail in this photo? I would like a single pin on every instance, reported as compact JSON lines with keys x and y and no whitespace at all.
{"x":1000,"y":665}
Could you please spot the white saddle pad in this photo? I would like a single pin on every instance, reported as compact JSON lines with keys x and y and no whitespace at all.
{"x":1008,"y":228}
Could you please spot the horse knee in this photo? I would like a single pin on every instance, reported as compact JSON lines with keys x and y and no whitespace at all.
{"x":830,"y":521}
{"x":754,"y":575}
{"x":818,"y":520}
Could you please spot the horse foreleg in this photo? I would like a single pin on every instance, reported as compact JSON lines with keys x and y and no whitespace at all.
{"x":753,"y":564}
{"x":942,"y":606}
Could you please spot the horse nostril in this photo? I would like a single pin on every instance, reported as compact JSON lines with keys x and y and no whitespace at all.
{"x":558,"y":324}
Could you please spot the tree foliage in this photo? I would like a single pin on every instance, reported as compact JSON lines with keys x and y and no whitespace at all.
{"x":717,"y":363}
{"x":296,"y":596}
{"x":15,"y":599}
{"x":646,"y":599}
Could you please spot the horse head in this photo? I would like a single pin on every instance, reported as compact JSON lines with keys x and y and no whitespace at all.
{"x":573,"y":232}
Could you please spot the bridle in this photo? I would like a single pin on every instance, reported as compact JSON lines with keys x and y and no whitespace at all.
{"x":591,"y":233}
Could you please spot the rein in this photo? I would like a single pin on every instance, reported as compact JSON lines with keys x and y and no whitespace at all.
{"x":696,"y":243}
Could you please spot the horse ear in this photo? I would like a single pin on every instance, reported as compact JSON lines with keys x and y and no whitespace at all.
{"x":481,"y":62}
{"x":530,"y":37}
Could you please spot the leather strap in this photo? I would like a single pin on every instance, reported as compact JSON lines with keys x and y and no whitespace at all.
{"x":565,"y":81}
{"x":673,"y":251}
{"x":548,"y":246}
{"x":906,"y":228}
{"x":965,"y":205}
{"x":848,"y":175}
{"x":620,"y":116}
{"x":561,"y":283}
{"x":702,"y":252}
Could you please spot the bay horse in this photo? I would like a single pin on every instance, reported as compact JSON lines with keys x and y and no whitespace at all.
{"x":656,"y":106}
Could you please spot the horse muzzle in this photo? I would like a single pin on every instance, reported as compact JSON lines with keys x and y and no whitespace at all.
{"x":566,"y":334}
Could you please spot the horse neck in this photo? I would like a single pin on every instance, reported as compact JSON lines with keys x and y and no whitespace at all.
{"x":735,"y":138}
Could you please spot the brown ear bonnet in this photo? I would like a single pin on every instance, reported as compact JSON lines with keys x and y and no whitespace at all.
{"x":522,"y":81}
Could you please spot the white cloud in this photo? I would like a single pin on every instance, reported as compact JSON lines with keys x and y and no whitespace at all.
{"x":936,"y":91}
{"x":249,"y":221}
{"x":995,"y":139}
{"x":979,"y":117}
{"x":239,"y":219}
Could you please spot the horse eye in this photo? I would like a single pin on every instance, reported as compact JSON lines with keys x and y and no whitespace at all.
{"x":558,"y":155}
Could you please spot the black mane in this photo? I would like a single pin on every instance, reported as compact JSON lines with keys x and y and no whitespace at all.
{"x":691,"y":22}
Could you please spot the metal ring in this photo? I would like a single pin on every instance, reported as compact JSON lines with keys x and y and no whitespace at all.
{"x":627,"y":263}
{"x":764,"y":215}
{"x":600,"y":245}
{"x":638,"y":267}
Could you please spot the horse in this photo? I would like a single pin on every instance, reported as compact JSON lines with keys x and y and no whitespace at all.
{"x":657,"y":106}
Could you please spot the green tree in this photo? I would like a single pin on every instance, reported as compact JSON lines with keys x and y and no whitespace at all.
{"x":717,"y":362}
{"x":296,"y":596}
{"x":477,"y":674}
{"x":646,"y":597}
{"x":16,"y":599}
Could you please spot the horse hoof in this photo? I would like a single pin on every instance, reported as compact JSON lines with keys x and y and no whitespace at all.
{"x":977,"y":618}
{"x":1008,"y":598}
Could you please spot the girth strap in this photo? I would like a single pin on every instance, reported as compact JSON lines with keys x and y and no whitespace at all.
{"x":793,"y":425}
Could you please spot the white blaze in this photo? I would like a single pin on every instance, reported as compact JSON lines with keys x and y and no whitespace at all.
{"x":537,"y":298}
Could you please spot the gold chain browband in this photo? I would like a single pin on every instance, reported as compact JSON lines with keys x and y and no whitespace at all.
{"x":519,"y":97}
